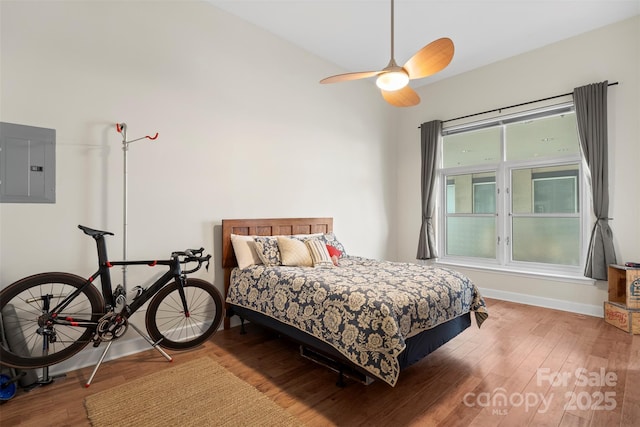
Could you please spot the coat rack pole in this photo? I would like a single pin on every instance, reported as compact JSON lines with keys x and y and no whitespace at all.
{"x":122,"y":129}
{"x":125,"y":149}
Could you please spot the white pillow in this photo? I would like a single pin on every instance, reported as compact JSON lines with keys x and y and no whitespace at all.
{"x":245,"y":250}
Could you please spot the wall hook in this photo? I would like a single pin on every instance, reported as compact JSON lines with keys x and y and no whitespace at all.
{"x":122,"y":129}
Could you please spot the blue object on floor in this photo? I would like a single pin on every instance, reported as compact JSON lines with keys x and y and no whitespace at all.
{"x":8,"y":388}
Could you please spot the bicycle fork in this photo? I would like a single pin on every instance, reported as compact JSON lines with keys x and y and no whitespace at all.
{"x":183,"y":297}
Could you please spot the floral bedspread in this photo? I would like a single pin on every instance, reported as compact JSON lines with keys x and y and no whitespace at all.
{"x":364,"y":308}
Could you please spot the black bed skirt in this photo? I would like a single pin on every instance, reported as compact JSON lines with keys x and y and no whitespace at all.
{"x":417,"y":348}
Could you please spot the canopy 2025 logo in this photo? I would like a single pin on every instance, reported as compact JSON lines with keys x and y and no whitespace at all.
{"x":499,"y":400}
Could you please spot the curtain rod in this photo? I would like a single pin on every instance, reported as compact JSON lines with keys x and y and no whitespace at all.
{"x":513,"y":106}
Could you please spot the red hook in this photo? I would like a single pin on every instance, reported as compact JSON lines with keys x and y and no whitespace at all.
{"x":122,"y":127}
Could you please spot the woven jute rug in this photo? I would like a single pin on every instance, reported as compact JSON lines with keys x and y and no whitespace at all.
{"x":198,"y":393}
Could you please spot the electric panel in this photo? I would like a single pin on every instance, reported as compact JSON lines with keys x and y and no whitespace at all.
{"x":27,"y":164}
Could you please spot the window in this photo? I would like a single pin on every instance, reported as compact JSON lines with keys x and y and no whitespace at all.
{"x":471,"y":215}
{"x":512,"y":193}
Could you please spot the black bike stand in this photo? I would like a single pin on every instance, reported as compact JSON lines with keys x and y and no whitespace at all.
{"x":106,"y":350}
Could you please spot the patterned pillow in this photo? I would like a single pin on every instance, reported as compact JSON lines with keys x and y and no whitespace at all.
{"x":319,"y":253}
{"x":267,"y":249}
{"x":332,"y":240}
{"x":305,"y":237}
{"x":294,"y":252}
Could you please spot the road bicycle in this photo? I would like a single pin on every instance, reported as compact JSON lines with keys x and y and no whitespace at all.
{"x":50,"y":317}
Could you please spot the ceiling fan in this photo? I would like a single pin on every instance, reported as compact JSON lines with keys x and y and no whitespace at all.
{"x":393,"y":80}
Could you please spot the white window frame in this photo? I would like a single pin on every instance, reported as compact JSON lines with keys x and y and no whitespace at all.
{"x":503,"y":260}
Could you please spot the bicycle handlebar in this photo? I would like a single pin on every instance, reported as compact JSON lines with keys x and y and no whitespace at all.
{"x":192,"y":255}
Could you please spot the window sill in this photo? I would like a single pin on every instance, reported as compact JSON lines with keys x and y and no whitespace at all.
{"x":555,"y":276}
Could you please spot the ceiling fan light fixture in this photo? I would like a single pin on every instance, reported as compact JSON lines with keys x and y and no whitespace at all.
{"x":392,"y":80}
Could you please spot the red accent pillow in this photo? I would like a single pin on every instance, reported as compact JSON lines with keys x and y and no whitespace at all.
{"x":333,"y":251}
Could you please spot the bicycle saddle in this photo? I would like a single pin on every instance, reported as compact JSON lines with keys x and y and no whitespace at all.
{"x":92,"y":232}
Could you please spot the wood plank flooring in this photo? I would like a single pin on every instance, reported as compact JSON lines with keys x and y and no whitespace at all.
{"x":525,"y":366}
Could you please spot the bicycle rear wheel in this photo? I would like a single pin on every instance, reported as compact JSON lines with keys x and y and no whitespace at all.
{"x":167,"y":322}
{"x":33,"y":338}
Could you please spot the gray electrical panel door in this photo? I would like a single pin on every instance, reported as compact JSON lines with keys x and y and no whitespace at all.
{"x":27,"y":164}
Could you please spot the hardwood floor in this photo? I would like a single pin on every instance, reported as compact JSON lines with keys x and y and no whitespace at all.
{"x":526,"y":366}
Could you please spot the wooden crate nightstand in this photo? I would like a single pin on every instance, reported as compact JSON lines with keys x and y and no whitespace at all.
{"x":623,"y":308}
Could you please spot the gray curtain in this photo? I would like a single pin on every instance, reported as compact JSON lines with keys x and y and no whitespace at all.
{"x":591,"y":113}
{"x":429,"y":138}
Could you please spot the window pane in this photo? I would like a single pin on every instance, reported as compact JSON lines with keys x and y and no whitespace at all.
{"x":484,"y":197}
{"x":451,"y":198}
{"x":545,"y":190}
{"x":471,"y":236}
{"x":555,"y":195}
{"x":471,"y":148}
{"x":547,"y":240}
{"x":547,"y":137}
{"x":471,"y":193}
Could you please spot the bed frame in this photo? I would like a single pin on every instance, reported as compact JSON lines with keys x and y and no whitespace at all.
{"x":417,"y":346}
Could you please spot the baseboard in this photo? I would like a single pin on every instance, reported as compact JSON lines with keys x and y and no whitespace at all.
{"x":573,"y":307}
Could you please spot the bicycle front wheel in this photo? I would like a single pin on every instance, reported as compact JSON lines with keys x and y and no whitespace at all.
{"x":172,"y":327}
{"x":34,"y":339}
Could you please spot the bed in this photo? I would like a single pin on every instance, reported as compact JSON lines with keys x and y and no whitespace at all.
{"x":364,"y":318}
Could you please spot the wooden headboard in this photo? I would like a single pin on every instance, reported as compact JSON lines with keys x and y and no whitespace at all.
{"x":264,"y":227}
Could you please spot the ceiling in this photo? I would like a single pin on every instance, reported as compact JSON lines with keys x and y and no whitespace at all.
{"x":356,"y":34}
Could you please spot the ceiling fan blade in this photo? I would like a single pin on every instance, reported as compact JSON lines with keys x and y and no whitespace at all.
{"x":350,"y":76}
{"x":405,"y":97}
{"x":430,"y":59}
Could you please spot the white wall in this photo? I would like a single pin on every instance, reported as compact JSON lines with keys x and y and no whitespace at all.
{"x":611,"y":53}
{"x":245,"y":130}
